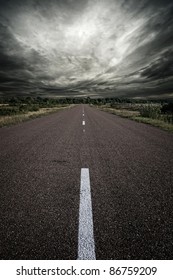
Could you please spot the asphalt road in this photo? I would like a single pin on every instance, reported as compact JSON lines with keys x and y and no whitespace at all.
{"x":131,"y":178}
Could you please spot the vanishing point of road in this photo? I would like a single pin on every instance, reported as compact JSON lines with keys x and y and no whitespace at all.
{"x":85,"y":184}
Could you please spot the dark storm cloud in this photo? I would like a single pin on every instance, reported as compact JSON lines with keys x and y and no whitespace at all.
{"x":94,"y":47}
{"x":161,"y":68}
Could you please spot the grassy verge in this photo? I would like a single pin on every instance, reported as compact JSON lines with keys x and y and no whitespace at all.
{"x":158,"y":123}
{"x":136,"y":116}
{"x":8,"y":120}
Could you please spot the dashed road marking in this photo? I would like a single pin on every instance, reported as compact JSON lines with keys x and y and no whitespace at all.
{"x":83,"y":122}
{"x":86,"y":245}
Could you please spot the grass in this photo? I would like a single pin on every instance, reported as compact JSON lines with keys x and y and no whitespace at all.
{"x":18,"y":117}
{"x":143,"y":113}
{"x":158,"y":123}
{"x":121,"y":112}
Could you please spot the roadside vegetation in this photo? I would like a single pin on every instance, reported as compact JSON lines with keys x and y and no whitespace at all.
{"x":157,"y":113}
{"x":15,"y":110}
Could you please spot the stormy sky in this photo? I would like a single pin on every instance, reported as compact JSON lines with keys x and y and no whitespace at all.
{"x":96,"y":48}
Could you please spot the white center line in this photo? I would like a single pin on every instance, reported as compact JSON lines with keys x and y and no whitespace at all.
{"x":86,"y":245}
{"x":83,"y":122}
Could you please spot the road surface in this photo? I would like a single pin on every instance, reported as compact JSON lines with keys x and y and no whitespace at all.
{"x":85,"y":184}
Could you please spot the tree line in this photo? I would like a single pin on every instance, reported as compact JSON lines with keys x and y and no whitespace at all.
{"x":39,"y":102}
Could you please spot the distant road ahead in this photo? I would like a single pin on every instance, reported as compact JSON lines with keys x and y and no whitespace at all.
{"x":125,"y":191}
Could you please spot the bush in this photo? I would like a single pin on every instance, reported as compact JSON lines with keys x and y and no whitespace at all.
{"x":14,"y":110}
{"x":28,"y":108}
{"x":150,"y":111}
{"x":9,"y":111}
{"x":167,"y":108}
